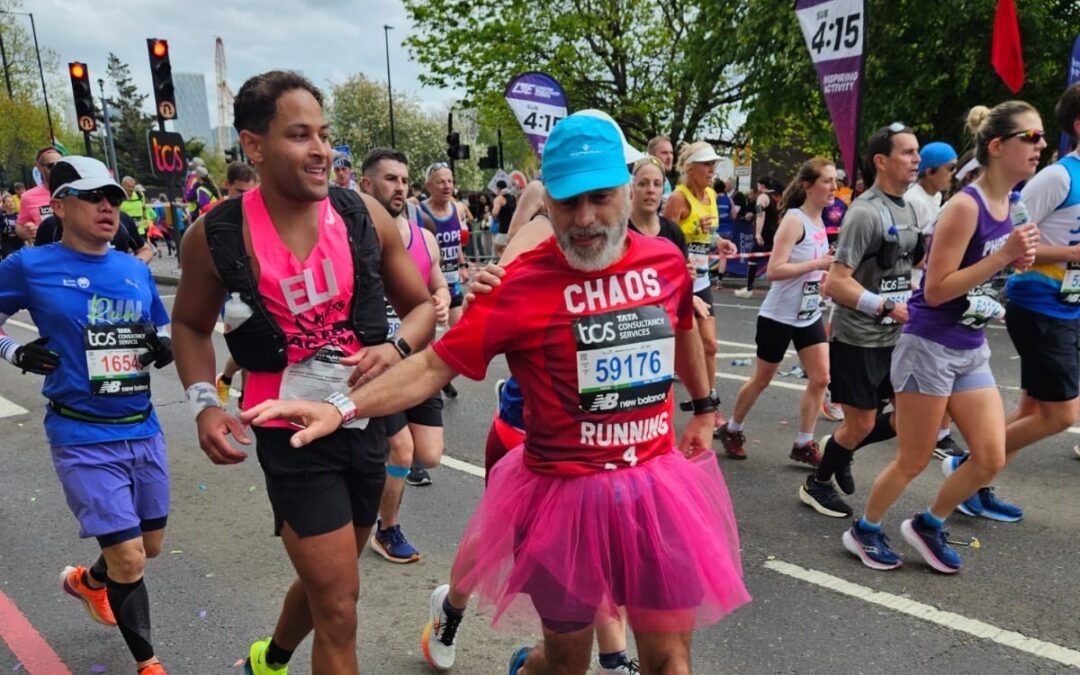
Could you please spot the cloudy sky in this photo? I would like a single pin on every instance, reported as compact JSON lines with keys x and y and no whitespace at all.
{"x":325,"y":39}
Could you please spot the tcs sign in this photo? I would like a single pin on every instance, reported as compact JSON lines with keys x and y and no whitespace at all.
{"x":167,"y":156}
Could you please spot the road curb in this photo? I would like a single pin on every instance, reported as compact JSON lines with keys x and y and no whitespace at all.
{"x":166,"y":280}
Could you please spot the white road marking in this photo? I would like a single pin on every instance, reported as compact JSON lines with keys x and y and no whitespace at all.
{"x":736,"y":355}
{"x":774,"y":383}
{"x":464,"y":467}
{"x":9,"y":409}
{"x":931,"y":614}
{"x":166,"y":297}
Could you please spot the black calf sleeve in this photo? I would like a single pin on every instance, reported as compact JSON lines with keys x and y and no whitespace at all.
{"x":834,"y":457}
{"x":99,"y":571}
{"x":882,"y":431}
{"x":131,"y":606}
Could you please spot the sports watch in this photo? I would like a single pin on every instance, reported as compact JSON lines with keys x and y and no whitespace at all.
{"x":886,"y":308}
{"x":402,"y":346}
{"x":344,"y":405}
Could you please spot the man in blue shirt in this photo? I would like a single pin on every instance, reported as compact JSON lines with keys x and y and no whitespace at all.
{"x":102,"y":324}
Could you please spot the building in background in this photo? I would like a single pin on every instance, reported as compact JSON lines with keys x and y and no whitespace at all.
{"x":192,"y":111}
{"x":231,"y":138}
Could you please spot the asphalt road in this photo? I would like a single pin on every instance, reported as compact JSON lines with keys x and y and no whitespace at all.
{"x":1014,"y":609}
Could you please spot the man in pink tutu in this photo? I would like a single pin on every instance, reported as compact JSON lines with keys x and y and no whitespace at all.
{"x":598,"y":513}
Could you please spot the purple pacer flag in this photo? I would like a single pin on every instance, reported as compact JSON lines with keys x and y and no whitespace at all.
{"x":834,"y":32}
{"x":538,"y":103}
{"x":1074,"y":77}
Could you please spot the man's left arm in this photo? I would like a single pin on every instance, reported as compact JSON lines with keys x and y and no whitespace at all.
{"x":690,"y":366}
{"x":407,"y":295}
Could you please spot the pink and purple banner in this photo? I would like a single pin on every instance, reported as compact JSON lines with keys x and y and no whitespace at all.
{"x":835,"y":34}
{"x":538,"y":102}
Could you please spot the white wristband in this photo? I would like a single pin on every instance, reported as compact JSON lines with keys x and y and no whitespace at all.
{"x":8,"y":347}
{"x":200,"y":396}
{"x":869,"y":303}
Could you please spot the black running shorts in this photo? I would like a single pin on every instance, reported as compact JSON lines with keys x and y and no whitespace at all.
{"x":859,"y":376}
{"x":706,"y":295}
{"x":1049,"y":360}
{"x":774,"y":337}
{"x":327,"y":484}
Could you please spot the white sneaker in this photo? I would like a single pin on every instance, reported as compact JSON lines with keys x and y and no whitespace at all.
{"x":437,"y":642}
{"x":744,"y":293}
{"x":831,"y":411}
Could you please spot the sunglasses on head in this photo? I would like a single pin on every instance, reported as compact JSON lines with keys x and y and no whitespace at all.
{"x":1032,"y":136}
{"x":94,"y":196}
{"x":435,"y":167}
{"x":896,"y":128}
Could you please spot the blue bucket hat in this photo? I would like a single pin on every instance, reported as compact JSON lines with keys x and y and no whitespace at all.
{"x":583,"y":154}
{"x":933,"y":155}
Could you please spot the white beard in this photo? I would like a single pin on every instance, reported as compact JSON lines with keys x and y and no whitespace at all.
{"x":591,"y":260}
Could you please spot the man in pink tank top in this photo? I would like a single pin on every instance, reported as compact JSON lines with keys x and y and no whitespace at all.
{"x":316,"y":281}
{"x":416,"y":435}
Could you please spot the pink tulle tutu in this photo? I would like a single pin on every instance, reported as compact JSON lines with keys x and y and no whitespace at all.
{"x":658,"y":540}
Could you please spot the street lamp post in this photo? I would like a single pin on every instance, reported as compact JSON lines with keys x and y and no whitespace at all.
{"x":41,"y":71}
{"x":389,"y":89}
{"x":7,"y":75}
{"x":110,"y":148}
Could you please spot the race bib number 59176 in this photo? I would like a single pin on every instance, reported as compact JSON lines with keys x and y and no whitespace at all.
{"x":625,"y":359}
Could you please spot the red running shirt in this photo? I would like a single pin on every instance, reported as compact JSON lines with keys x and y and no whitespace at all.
{"x":594,"y":353}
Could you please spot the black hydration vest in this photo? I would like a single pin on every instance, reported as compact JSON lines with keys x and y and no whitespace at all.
{"x":258,"y":344}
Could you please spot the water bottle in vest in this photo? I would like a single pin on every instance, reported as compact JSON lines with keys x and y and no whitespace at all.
{"x":1018,"y":209}
{"x":236,"y":312}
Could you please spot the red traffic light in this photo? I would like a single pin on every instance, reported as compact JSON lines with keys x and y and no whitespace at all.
{"x":77,"y":70}
{"x":160,"y":48}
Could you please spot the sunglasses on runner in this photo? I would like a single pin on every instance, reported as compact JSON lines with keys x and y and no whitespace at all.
{"x":1032,"y":136}
{"x":94,"y":196}
{"x":896,"y":128}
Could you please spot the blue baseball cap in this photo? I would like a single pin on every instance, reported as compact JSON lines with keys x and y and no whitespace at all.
{"x":933,"y":155}
{"x":582,"y":154}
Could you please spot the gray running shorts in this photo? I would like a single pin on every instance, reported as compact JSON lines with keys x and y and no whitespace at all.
{"x":926,"y":367}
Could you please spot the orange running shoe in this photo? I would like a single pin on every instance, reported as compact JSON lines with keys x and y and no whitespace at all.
{"x":95,"y":599}
{"x":153,"y":669}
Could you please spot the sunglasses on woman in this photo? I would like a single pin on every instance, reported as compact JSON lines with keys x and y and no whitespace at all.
{"x":1032,"y":136}
{"x":94,"y":196}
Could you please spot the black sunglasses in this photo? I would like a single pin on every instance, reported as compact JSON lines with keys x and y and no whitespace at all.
{"x":94,"y":196}
{"x":1032,"y":136}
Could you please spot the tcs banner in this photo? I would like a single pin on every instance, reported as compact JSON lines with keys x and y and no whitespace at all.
{"x":167,"y":157}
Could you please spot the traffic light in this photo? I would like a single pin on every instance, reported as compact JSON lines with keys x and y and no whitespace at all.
{"x":454,"y":149}
{"x":84,"y":96}
{"x":231,"y":155}
{"x":161,"y":73}
{"x":491,"y":161}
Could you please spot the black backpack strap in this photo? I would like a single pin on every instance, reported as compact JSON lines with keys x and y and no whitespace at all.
{"x":368,"y":314}
{"x":258,"y":344}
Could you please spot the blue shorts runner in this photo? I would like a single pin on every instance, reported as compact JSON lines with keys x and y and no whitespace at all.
{"x":116,"y":489}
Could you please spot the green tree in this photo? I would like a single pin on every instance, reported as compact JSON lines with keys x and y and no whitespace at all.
{"x":360,"y":118}
{"x":129,"y":123}
{"x":657,"y":66}
{"x":927,"y":64}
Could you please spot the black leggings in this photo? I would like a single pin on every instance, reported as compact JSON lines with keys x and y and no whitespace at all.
{"x":752,"y":263}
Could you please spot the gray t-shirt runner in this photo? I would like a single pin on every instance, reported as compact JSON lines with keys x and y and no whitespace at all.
{"x":862,"y":233}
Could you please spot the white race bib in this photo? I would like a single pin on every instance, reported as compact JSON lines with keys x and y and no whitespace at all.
{"x":982,"y":306}
{"x":810,"y":300}
{"x":896,"y":288}
{"x":112,"y":359}
{"x":316,"y":377}
{"x":1070,"y":284}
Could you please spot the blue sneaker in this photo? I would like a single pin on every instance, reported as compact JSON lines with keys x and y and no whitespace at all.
{"x":517,"y":660}
{"x":392,"y":545}
{"x":872,"y":548}
{"x":972,"y":506}
{"x":995,"y":509}
{"x":950,"y":464}
{"x":932,"y":543}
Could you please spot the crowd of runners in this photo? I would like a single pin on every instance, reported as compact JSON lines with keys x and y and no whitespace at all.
{"x":602,"y":513}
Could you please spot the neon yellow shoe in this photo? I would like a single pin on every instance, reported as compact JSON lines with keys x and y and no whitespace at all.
{"x":256,"y":662}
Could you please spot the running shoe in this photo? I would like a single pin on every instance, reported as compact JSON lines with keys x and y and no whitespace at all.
{"x":418,"y":476}
{"x":932,"y":543}
{"x":96,"y":600}
{"x":947,"y":447}
{"x":972,"y":506}
{"x":155,"y":669}
{"x":517,"y":659}
{"x":872,"y":548}
{"x":450,"y":390}
{"x":744,"y":293}
{"x":392,"y":545}
{"x":626,"y":666}
{"x":733,"y":442}
{"x":256,"y":661}
{"x":823,"y":498}
{"x":832,"y":411}
{"x":996,"y":509}
{"x":807,"y":454}
{"x":222,"y":389}
{"x":437,"y":642}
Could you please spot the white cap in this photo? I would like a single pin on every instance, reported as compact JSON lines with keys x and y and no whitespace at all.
{"x":630,"y":153}
{"x":81,"y":173}
{"x":704,"y":156}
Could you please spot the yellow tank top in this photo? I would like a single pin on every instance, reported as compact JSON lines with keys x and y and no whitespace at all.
{"x":695,"y":234}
